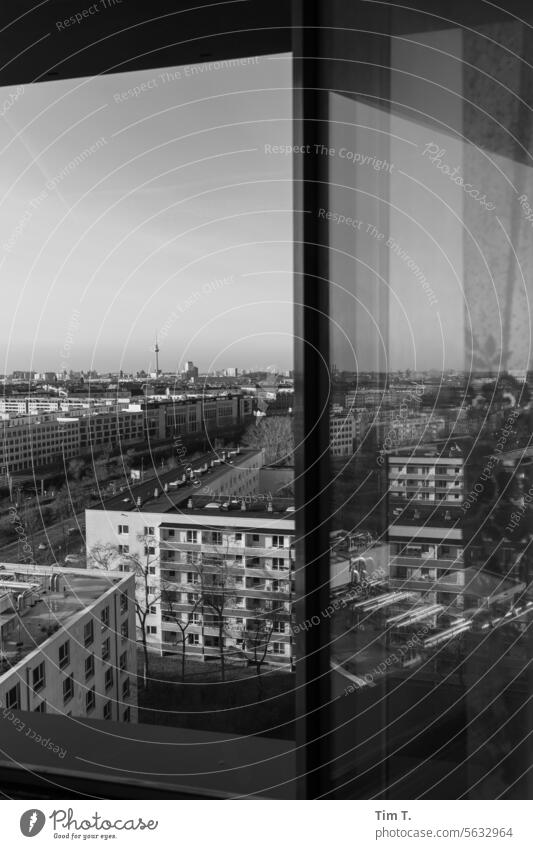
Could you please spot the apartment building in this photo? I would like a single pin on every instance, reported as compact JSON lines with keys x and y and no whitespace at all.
{"x":50,"y":433}
{"x":256,"y":547}
{"x":342,"y":433}
{"x":29,"y":441}
{"x":27,"y":405}
{"x":226,"y":533}
{"x":119,"y":427}
{"x":45,"y":439}
{"x":209,"y":413}
{"x":426,"y":488}
{"x":372,"y":399}
{"x":393,"y":428}
{"x":68,"y":642}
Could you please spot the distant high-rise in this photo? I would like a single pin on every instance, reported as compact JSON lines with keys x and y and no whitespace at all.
{"x":191,"y":371}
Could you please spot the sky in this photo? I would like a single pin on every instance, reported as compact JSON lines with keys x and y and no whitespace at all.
{"x":438,"y":272}
{"x":143,"y":204}
{"x":384,"y":316}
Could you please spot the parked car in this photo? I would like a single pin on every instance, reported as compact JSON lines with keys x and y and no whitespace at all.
{"x":72,"y":558}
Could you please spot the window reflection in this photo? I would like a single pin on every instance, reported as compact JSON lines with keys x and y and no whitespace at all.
{"x":430,"y":181}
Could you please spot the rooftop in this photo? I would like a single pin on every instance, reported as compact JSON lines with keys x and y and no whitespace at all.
{"x":255,"y":507}
{"x":424,"y":513}
{"x":450,"y":448}
{"x":44,"y":611}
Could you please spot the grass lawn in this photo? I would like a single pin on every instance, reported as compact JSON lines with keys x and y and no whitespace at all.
{"x":242,"y":704}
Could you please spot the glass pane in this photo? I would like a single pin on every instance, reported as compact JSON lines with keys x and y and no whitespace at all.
{"x":430,"y":209}
{"x":146,"y":464}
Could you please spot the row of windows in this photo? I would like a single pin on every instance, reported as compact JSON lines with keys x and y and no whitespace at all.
{"x":39,"y":674}
{"x":194,"y":640}
{"x":193,"y":537}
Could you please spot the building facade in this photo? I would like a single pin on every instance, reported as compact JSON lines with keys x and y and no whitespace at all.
{"x":68,"y":642}
{"x":229,"y":540}
{"x":46,"y":434}
{"x":426,"y":488}
{"x":342,"y":433}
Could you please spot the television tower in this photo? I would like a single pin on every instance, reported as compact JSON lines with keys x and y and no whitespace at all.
{"x":156,"y":350}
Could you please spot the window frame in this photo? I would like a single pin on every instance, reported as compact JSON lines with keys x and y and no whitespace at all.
{"x":89,"y":666}
{"x":40,"y":683}
{"x":109,"y":679}
{"x":65,"y":660}
{"x":68,"y":692}
{"x":88,"y":633}
{"x":250,"y":29}
{"x":90,"y":700}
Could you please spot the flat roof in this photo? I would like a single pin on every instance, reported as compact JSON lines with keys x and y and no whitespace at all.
{"x":51,"y":610}
{"x":255,"y":507}
{"x":441,"y":449}
{"x":422,"y":514}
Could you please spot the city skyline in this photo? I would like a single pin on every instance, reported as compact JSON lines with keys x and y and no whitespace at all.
{"x":241,"y":369}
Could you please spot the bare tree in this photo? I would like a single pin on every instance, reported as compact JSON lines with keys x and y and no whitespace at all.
{"x":260,"y":635}
{"x":102,"y":555}
{"x":217,"y":590}
{"x":275,"y":435}
{"x":169,"y":600}
{"x":147,"y":592}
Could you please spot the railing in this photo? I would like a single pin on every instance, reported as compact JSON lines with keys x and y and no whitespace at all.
{"x":185,"y":587}
{"x":428,"y":584}
{"x":174,"y":545}
{"x":232,"y":567}
{"x":267,"y":572}
{"x":426,"y":561}
{"x":410,"y":473}
{"x":265,"y":595}
{"x":222,"y":549}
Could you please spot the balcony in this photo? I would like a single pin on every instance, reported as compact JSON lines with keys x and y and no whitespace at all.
{"x":174,"y":545}
{"x":263,"y":551}
{"x":444,"y":584}
{"x":222,"y":549}
{"x":265,"y":595}
{"x":426,"y":562}
{"x":410,"y":473}
{"x":267,"y":572}
{"x":249,"y":543}
{"x":185,"y":586}
{"x":231,"y":567}
{"x":208,"y":629}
